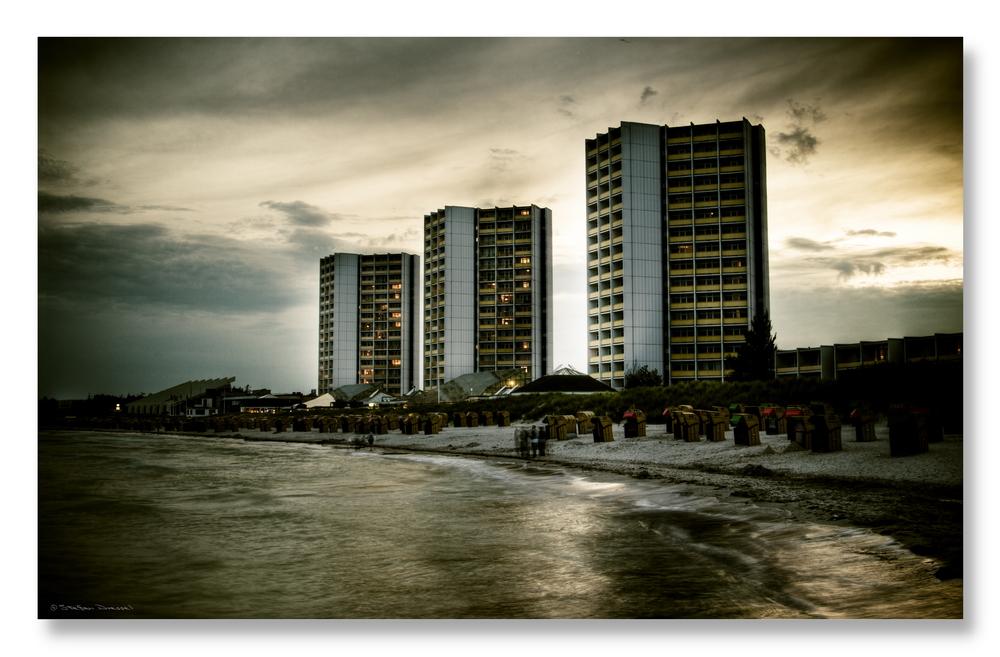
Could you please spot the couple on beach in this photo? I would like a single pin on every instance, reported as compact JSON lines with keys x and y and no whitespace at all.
{"x":531,"y":443}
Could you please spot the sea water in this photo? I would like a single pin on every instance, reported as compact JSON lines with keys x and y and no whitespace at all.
{"x":160,"y":526}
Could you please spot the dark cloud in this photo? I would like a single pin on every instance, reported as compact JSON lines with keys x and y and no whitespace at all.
{"x":848,"y":268}
{"x":917,"y":254}
{"x":797,"y":145}
{"x":876,"y":262}
{"x":60,"y":203}
{"x":143,"y":265}
{"x":166,"y":208}
{"x":103,"y":348}
{"x":871,"y":232}
{"x":567,"y":105}
{"x":300,"y":213}
{"x":53,"y":170}
{"x":501,"y":159}
{"x":851,"y":314}
{"x":647,"y":93}
{"x":56,"y":203}
{"x":310,"y":244}
{"x":806,"y":244}
{"x":409,"y":236}
{"x":802,"y":113}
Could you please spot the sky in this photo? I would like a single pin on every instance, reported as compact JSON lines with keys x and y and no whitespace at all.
{"x":187,"y":188}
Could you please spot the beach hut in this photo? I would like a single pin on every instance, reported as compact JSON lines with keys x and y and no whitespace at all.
{"x":746,"y":429}
{"x":472,"y":419}
{"x":716,"y":421}
{"x":603,"y":429}
{"x":864,"y":425}
{"x":826,"y":432}
{"x":503,"y":418}
{"x":799,"y":425}
{"x":584,"y":422}
{"x":634,"y":422}
{"x":909,"y":430}
{"x":556,"y":425}
{"x":432,"y":424}
{"x":773,"y":419}
{"x":686,"y":426}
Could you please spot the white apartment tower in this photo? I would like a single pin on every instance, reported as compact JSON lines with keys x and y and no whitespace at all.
{"x":676,"y":247}
{"x":487,"y":292}
{"x":368,"y":321}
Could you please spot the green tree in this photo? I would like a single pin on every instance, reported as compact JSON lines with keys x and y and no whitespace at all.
{"x":642,"y":377}
{"x":754,"y":360}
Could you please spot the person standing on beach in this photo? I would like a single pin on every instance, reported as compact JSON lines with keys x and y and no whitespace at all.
{"x":534,"y":441}
{"x":543,"y":437}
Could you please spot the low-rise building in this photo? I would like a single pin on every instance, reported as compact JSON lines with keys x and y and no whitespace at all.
{"x":827,"y":361}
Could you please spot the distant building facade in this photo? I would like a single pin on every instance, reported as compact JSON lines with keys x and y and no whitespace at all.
{"x":368,"y":321}
{"x":487,"y":292}
{"x":826,"y":362}
{"x":677,"y":261}
{"x":191,"y":398}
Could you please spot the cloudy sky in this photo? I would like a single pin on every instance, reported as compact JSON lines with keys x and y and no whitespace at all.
{"x":188,"y":187}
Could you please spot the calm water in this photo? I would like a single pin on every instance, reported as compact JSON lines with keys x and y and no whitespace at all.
{"x":195,"y":527}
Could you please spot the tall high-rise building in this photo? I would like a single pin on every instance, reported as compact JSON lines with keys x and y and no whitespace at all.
{"x":487,"y":292}
{"x":368,"y":321}
{"x":676,"y":247}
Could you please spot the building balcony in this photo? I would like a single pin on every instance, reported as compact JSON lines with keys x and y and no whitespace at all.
{"x":682,"y":322}
{"x":735,"y":252}
{"x":681,"y":288}
{"x":682,"y":339}
{"x":734,"y":270}
{"x":733,"y":169}
{"x":733,"y":339}
{"x":679,"y":206}
{"x":735,"y":304}
{"x":735,"y":321}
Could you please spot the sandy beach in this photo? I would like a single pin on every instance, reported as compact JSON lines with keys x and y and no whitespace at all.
{"x":916,"y":500}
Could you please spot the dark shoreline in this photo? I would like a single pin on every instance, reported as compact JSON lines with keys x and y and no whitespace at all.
{"x":926,"y":519}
